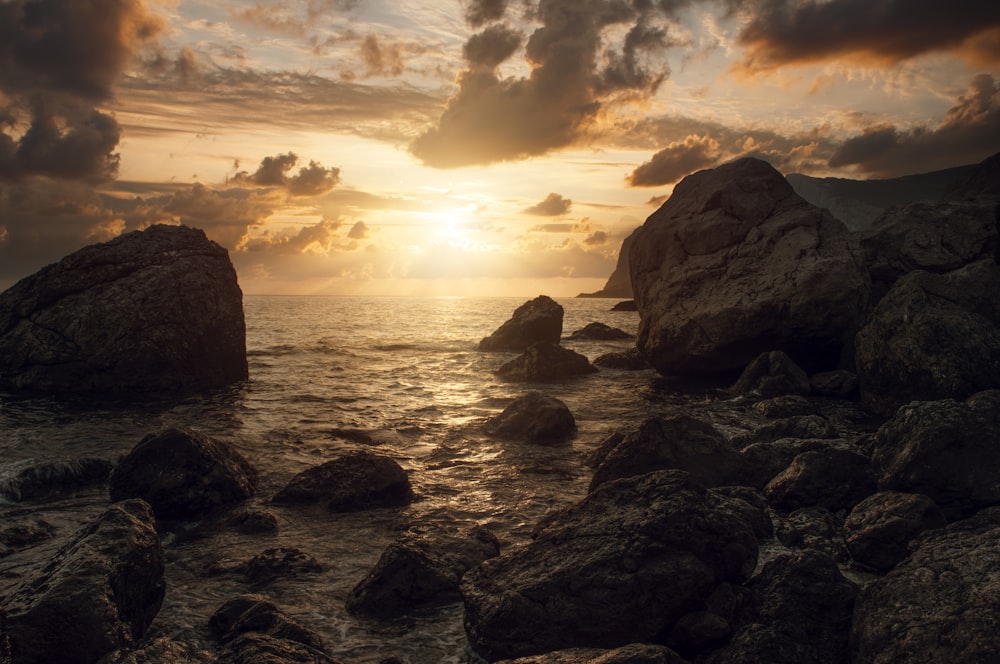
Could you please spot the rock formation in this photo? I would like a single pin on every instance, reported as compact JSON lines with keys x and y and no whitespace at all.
{"x":619,"y":284}
{"x":534,"y":418}
{"x":253,"y":629}
{"x":538,"y":320}
{"x":545,"y":362}
{"x":879,"y":529}
{"x":735,"y":264}
{"x":355,"y":481}
{"x":600,"y":332}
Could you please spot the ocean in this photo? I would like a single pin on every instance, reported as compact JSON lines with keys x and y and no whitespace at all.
{"x":398,"y":376}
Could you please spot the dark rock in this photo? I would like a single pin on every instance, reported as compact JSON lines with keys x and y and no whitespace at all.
{"x":772,"y":374}
{"x":5,"y":656}
{"x":679,"y":442}
{"x":355,"y":481}
{"x":736,"y":264}
{"x":982,"y":180}
{"x":19,"y":536}
{"x":813,"y":529}
{"x":534,"y":418}
{"x":183,"y":474}
{"x":277,"y":563}
{"x":802,"y":426}
{"x":258,"y":614}
{"x":619,"y":284}
{"x":600,"y":332}
{"x":636,"y":653}
{"x":538,"y":320}
{"x":630,"y":360}
{"x":839,"y":384}
{"x":421,"y":569}
{"x":752,"y":506}
{"x":253,"y":522}
{"x":879,"y":529}
{"x":800,"y":611}
{"x":597,"y":457}
{"x":99,"y":593}
{"x":932,"y":337}
{"x":543,"y":362}
{"x":791,"y":405}
{"x":627,"y":305}
{"x":836,"y":479}
{"x":254,"y":648}
{"x":40,"y":481}
{"x":764,"y":461}
{"x":620,"y":567}
{"x":150,"y":312}
{"x":938,"y":605}
{"x":947,"y":450}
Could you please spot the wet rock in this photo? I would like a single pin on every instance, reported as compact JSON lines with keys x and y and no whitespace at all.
{"x":800,"y":611}
{"x":150,"y":312}
{"x":544,"y":362}
{"x":736,"y":264}
{"x":599,"y":332}
{"x":620,"y":567}
{"x":627,"y":305}
{"x":19,"y":536}
{"x":679,"y":442}
{"x":802,"y":426}
{"x":947,"y":450}
{"x":253,"y":522}
{"x":421,"y":569}
{"x":277,"y":563}
{"x":636,"y":653}
{"x":254,"y":648}
{"x":764,"y":461}
{"x":610,"y":442}
{"x":258,"y":614}
{"x":938,"y":605}
{"x":160,"y":650}
{"x":98,"y":594}
{"x":534,"y":418}
{"x":538,"y":320}
{"x":836,"y":479}
{"x":183,"y":474}
{"x":791,"y":405}
{"x":752,"y":506}
{"x":772,"y":374}
{"x":5,"y":657}
{"x":879,"y":529}
{"x":813,"y":529}
{"x":355,"y":481}
{"x":52,"y":479}
{"x":932,"y":337}
{"x":630,"y":360}
{"x":839,"y":384}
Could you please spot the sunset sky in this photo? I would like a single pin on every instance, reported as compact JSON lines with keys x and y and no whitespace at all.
{"x":456,"y":147}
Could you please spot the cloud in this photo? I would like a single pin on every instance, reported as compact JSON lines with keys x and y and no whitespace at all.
{"x":553,"y":206}
{"x":317,"y":238}
{"x":379,"y":59}
{"x":596,"y":239}
{"x":676,"y":161}
{"x":783,"y":32}
{"x":311,"y":180}
{"x":491,"y":47}
{"x":480,"y":12}
{"x":359,"y":231}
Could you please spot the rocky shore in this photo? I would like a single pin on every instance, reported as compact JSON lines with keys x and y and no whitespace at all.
{"x":797,"y":540}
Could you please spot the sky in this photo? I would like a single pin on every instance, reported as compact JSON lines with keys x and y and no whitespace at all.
{"x":456,"y":147}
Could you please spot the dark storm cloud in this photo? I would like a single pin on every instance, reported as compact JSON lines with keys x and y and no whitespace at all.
{"x":784,"y":32}
{"x":969,"y":133}
{"x":489,"y":48}
{"x":675,"y":161}
{"x":311,"y":180}
{"x":553,"y":206}
{"x":480,"y":12}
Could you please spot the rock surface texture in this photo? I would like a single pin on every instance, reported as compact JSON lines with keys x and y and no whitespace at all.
{"x":544,"y":362}
{"x":150,"y":312}
{"x":735,"y":264}
{"x":534,"y":418}
{"x":879,"y":529}
{"x":534,"y":321}
{"x":355,"y":481}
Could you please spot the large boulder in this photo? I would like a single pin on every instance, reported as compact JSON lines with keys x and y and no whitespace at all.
{"x":938,"y":605}
{"x":150,"y":312}
{"x":183,"y":474}
{"x":879,"y":529}
{"x":932,"y":337}
{"x":735,"y":264}
{"x":772,"y":374}
{"x":537,"y":320}
{"x":764,"y":460}
{"x":534,"y":418}
{"x":545,"y":362}
{"x":620,"y":567}
{"x":354,"y":481}
{"x":830,"y":477}
{"x":98,"y":594}
{"x":947,"y":450}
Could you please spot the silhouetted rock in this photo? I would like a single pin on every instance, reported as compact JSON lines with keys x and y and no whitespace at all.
{"x":98,"y":594}
{"x":938,"y":605}
{"x":735,"y":264}
{"x":51,"y":479}
{"x":630,"y":360}
{"x":947,"y":450}
{"x":355,"y":481}
{"x":627,"y":305}
{"x":772,"y":374}
{"x":258,"y":614}
{"x":599,"y":332}
{"x":534,"y":418}
{"x":839,"y":384}
{"x":534,"y":321}
{"x":421,"y":569}
{"x":680,"y":442}
{"x":544,"y":362}
{"x":636,"y":653}
{"x":183,"y":474}
{"x":620,"y":567}
{"x":879,"y":529}
{"x":619,"y":284}
{"x":829,"y":477}
{"x":150,"y":312}
{"x":932,"y":337}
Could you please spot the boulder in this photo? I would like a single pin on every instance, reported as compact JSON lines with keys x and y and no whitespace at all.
{"x":150,"y":312}
{"x":635,"y":653}
{"x":599,"y":332}
{"x":932,"y":337}
{"x":620,"y":567}
{"x":534,"y":418}
{"x":52,"y":479}
{"x":765,"y":460}
{"x":183,"y":474}
{"x":534,"y":321}
{"x":680,"y":442}
{"x":789,"y":405}
{"x":879,"y":529}
{"x":277,"y":563}
{"x":255,"y":648}
{"x":798,"y":426}
{"x":257,"y":614}
{"x":544,"y":362}
{"x":772,"y":374}
{"x":829,"y":477}
{"x":947,"y":450}
{"x":839,"y":384}
{"x":355,"y":481}
{"x":938,"y":605}
{"x":420,"y":569}
{"x":630,"y":360}
{"x":813,"y":529}
{"x":736,"y":264}
{"x":98,"y":594}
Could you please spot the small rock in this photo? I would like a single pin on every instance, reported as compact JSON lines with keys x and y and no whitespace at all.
{"x":630,"y":360}
{"x":625,"y":305}
{"x":52,"y":479}
{"x":833,"y":478}
{"x":791,"y":405}
{"x":814,"y":529}
{"x":637,"y":653}
{"x":538,"y":320}
{"x":356,"y":481}
{"x":599,"y":332}
{"x":258,"y":614}
{"x":838,"y":384}
{"x":534,"y":418}
{"x":253,"y":522}
{"x":772,"y":374}
{"x":879,"y":529}
{"x":544,"y":362}
{"x":278,"y":563}
{"x":804,"y":426}
{"x":764,"y":461}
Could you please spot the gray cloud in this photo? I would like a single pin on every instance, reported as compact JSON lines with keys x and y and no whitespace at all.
{"x":311,"y":180}
{"x":491,"y":47}
{"x":480,"y":12}
{"x":676,"y":161}
{"x":553,"y":206}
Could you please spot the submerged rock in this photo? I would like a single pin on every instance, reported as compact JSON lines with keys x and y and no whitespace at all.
{"x":879,"y":529}
{"x":538,"y":320}
{"x":150,"y":312}
{"x":535,"y":418}
{"x":544,"y":362}
{"x":278,"y":563}
{"x":599,"y":332}
{"x":183,"y":474}
{"x":355,"y":481}
{"x":51,"y":479}
{"x":258,"y":614}
{"x":98,"y":594}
